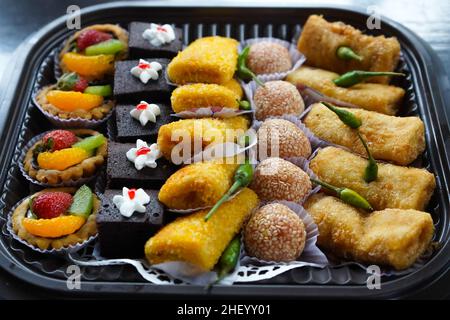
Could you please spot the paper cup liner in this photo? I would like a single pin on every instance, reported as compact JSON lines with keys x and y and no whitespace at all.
{"x":210,"y":112}
{"x":72,"y":122}
{"x":60,"y":251}
{"x":69,"y":183}
{"x":297,"y":58}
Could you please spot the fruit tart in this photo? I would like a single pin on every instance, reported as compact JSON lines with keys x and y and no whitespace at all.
{"x":92,"y":51}
{"x":64,"y":157}
{"x":56,"y":218}
{"x":74,"y":97}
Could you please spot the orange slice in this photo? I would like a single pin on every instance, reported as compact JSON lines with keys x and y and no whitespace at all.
{"x":89,"y":66}
{"x":61,"y":159}
{"x":53,"y":228}
{"x":73,"y":100}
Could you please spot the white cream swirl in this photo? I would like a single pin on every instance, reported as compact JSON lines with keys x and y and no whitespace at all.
{"x":145,"y":112}
{"x":143,"y":155}
{"x":130,"y":201}
{"x":159,"y":34}
{"x":146,"y":70}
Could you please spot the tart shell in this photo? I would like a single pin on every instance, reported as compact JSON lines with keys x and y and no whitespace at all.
{"x":85,"y":169}
{"x":83,"y":234}
{"x":120,"y":33}
{"x":97,"y":113}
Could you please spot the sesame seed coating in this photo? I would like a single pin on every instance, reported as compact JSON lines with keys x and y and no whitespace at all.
{"x":277,"y":98}
{"x":282,"y":138}
{"x":268,"y":57}
{"x":278,"y":179}
{"x":275,"y":233}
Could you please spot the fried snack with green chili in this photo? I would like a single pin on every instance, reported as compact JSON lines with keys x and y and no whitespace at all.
{"x":370,"y":96}
{"x":392,"y":237}
{"x":395,"y":187}
{"x":197,"y":185}
{"x":205,"y":131}
{"x":206,"y":60}
{"x":193,"y":240}
{"x":202,"y":95}
{"x":396,"y":139}
{"x":321,"y":39}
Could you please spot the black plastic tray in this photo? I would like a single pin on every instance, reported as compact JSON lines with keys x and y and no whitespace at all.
{"x":426,"y":86}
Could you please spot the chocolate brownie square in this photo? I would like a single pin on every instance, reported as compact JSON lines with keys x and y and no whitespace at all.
{"x":139,"y":47}
{"x":125,"y":237}
{"x":129,"y":129}
{"x":121,"y":172}
{"x":130,"y":88}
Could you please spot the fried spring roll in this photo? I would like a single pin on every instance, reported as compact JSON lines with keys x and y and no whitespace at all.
{"x":197,"y":185}
{"x":320,"y":40}
{"x":370,"y":96}
{"x":201,"y":132}
{"x":191,"y":239}
{"x":396,"y":186}
{"x":396,"y":139}
{"x":201,"y":95}
{"x":393,"y":237}
{"x":206,"y":60}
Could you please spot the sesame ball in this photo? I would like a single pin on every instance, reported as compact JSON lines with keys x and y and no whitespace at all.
{"x":268,"y":57}
{"x":275,"y":233}
{"x":277,"y":98}
{"x":278,"y":179}
{"x":281,"y":138}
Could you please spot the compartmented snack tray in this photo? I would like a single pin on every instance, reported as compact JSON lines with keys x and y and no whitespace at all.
{"x":425,"y":85}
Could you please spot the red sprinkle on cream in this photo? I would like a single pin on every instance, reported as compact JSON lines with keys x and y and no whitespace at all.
{"x":143,"y":150}
{"x":144,"y":65}
{"x":159,"y":28}
{"x":141,"y":106}
{"x":132,"y":193}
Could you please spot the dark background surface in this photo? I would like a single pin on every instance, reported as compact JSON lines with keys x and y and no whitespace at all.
{"x":18,"y":19}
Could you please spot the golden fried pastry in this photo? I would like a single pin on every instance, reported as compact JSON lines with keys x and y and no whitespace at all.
{"x":191,"y":239}
{"x":197,"y":185}
{"x":370,"y":96}
{"x":396,"y":186}
{"x":393,"y":237}
{"x":321,"y":39}
{"x":397,"y":139}
{"x":189,"y":133}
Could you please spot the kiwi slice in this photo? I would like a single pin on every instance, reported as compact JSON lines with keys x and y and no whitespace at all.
{"x":83,"y":201}
{"x":90,"y":143}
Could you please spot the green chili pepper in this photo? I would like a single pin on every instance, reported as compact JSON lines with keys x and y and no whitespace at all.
{"x":346,"y":116}
{"x":353,"y":77}
{"x":346,"y":53}
{"x":229,"y":258}
{"x":243,"y":72}
{"x":371,"y":172}
{"x":244,"y":104}
{"x":347,"y":195}
{"x":242,"y":178}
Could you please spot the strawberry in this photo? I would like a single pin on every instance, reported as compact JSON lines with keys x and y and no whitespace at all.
{"x":80,"y":85}
{"x":59,"y":139}
{"x":50,"y":205}
{"x":89,"y":37}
